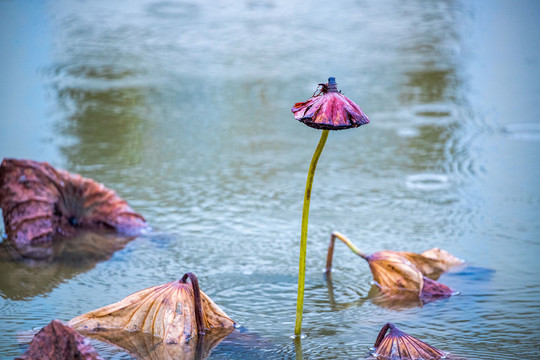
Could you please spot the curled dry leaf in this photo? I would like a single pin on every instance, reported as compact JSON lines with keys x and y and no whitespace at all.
{"x":392,"y":272}
{"x":400,"y":273}
{"x":41,"y":205}
{"x":394,"y":344}
{"x":57,"y":341}
{"x":175,"y":312}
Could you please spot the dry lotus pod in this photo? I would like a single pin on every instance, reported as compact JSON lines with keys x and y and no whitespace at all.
{"x":57,"y":341}
{"x":329,"y":109}
{"x":396,"y":345}
{"x":175,"y":312}
{"x":41,"y":204}
{"x":399,"y":271}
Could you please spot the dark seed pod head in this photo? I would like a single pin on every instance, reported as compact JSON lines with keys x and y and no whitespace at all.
{"x":328,"y":109}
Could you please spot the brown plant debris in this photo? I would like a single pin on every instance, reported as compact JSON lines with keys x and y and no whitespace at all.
{"x":42,"y":205}
{"x":405,"y":273}
{"x":394,"y":344}
{"x":175,"y":312}
{"x":59,"y":342}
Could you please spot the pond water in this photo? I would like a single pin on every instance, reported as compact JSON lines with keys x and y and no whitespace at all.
{"x":183,"y":108}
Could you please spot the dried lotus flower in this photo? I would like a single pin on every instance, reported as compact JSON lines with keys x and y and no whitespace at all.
{"x":327,"y":110}
{"x":397,"y":272}
{"x":396,"y":345}
{"x":40,"y":204}
{"x":175,"y":312}
{"x":58,"y":341}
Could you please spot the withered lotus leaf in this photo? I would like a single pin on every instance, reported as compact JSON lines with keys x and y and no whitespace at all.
{"x":443,"y":259}
{"x":41,"y":204}
{"x":174,"y":312}
{"x":394,"y":344}
{"x":407,"y":272}
{"x":392,"y":272}
{"x":57,"y":341}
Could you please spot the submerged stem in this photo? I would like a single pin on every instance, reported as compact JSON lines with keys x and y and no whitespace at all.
{"x":303,"y":234}
{"x":347,"y":242}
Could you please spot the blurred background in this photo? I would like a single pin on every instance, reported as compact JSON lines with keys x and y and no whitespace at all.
{"x":183,"y":108}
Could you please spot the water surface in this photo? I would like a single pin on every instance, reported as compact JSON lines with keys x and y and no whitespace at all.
{"x":183,"y":107}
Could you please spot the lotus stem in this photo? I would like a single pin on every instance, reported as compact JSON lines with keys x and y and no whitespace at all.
{"x":298,"y":348}
{"x":303,"y":234}
{"x":382,"y":333}
{"x":197,"y":300}
{"x":347,"y":242}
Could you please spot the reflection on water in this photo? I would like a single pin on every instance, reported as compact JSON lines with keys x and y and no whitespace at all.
{"x":183,"y":108}
{"x":69,"y":257}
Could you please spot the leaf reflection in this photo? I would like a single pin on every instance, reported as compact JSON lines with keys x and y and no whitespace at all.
{"x":70,"y":256}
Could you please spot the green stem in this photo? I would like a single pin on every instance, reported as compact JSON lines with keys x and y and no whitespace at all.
{"x":303,"y":234}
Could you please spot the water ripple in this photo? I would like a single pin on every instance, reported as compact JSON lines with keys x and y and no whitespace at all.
{"x":428,"y":182}
{"x":525,"y":131}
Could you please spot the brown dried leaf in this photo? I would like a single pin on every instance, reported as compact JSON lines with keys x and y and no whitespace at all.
{"x":41,"y":204}
{"x":443,"y":258}
{"x":394,"y":273}
{"x":391,"y":271}
{"x":403,"y":274}
{"x":57,"y":341}
{"x":398,"y":345}
{"x":167,"y":311}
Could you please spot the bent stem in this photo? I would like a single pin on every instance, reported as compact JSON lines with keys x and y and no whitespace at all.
{"x":303,"y":234}
{"x":347,"y":242}
{"x":199,"y":321}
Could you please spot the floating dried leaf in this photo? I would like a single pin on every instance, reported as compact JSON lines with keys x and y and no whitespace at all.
{"x":41,"y":205}
{"x":394,"y":344}
{"x":57,"y":341}
{"x":174,"y":312}
{"x":442,"y":258}
{"x":400,"y":273}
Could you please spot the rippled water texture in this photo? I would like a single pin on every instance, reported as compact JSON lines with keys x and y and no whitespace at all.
{"x":183,"y":107}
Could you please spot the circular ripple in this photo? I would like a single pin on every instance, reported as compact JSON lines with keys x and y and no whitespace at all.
{"x":523,"y":131}
{"x":432,"y":114}
{"x":408,"y":132}
{"x":428,"y":182}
